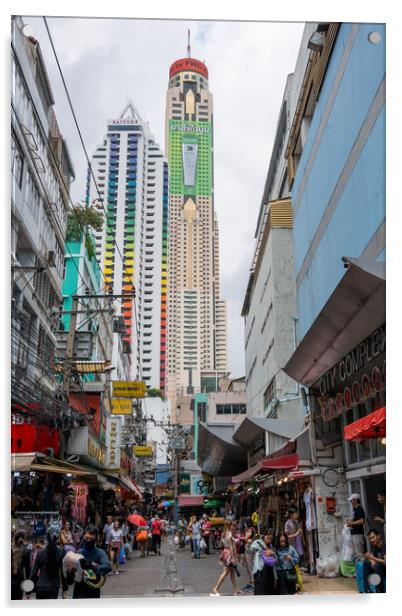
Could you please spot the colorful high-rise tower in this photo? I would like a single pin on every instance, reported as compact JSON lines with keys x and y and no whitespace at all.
{"x":132,"y":177}
{"x":196,"y":313}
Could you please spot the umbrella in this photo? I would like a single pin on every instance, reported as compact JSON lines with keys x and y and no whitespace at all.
{"x":167,"y":503}
{"x":213,"y":503}
{"x":136,"y":520}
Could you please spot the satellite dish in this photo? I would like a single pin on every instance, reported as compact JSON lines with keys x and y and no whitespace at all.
{"x":27,"y":585}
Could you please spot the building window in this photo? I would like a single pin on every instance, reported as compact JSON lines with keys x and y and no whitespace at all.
{"x":269,"y":393}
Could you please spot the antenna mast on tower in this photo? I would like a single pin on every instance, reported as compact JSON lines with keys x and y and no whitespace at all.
{"x":188,"y":44}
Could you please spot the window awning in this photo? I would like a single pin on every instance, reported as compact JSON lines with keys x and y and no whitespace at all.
{"x":353,"y":311}
{"x":290,"y":462}
{"x":371,"y":426}
{"x":191,"y":501}
{"x":126,"y":483}
{"x":36,"y":461}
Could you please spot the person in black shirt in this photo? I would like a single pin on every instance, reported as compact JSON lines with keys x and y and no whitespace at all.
{"x":375,"y":561}
{"x":47,"y":570}
{"x":356,"y":524}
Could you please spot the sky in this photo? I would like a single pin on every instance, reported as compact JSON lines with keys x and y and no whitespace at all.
{"x":108,"y":61}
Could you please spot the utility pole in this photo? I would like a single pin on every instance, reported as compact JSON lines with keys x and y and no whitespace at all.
{"x":70,"y":345}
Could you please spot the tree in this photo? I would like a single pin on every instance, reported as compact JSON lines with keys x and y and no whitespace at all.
{"x":154,"y":392}
{"x":80,"y":219}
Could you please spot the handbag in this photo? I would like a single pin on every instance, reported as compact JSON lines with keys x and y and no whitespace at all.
{"x":226,"y":557}
{"x":203,"y":544}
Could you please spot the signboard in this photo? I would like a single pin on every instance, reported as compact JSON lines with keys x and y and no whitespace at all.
{"x":199,"y":485}
{"x":143,"y":451}
{"x":121,"y":406}
{"x":190,"y":157}
{"x":113,"y":442}
{"x":128,"y":389}
{"x":358,"y":376}
{"x":83,"y":443}
{"x":188,"y":64}
{"x":184,"y":486}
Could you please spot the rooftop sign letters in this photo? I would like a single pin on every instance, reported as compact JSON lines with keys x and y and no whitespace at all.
{"x":188,"y":64}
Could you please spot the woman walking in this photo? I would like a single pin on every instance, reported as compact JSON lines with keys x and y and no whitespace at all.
{"x":115,"y":545}
{"x":190,"y":532}
{"x":247,"y":555}
{"x":66,"y":538}
{"x":264,"y":570}
{"x":287,"y":560}
{"x":229,"y":560}
{"x":47,"y":573}
{"x":196,"y":535}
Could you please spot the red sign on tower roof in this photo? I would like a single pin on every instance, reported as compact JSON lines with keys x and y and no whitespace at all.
{"x":188,"y":64}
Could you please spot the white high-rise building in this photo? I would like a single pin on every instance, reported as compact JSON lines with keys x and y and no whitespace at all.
{"x":132,"y":177}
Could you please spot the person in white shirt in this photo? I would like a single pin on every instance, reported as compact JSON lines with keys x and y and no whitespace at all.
{"x":115,"y":545}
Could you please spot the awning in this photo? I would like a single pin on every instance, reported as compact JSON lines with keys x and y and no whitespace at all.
{"x":251,"y":427}
{"x":191,"y":501}
{"x":219,"y":456}
{"x":307,"y":472}
{"x":354,"y":310}
{"x":281,"y":463}
{"x":36,"y":461}
{"x":371,"y":426}
{"x":126,"y":483}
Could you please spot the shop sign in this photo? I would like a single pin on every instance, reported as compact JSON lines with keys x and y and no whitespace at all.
{"x":359,"y":376}
{"x":125,"y":462}
{"x":128,"y":389}
{"x":95,"y":451}
{"x":184,"y":483}
{"x":143,"y":451}
{"x":121,"y":406}
{"x":113,"y":442}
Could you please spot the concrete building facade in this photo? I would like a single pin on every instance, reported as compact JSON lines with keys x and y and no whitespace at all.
{"x":196,"y":313}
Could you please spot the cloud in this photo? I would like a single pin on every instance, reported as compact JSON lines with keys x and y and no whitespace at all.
{"x":108,"y":61}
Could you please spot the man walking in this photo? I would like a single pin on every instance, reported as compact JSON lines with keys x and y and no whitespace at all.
{"x":107,"y":529}
{"x":156,"y":530}
{"x":356,"y":524}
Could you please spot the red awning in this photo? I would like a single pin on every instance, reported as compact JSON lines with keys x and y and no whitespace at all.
{"x":191,"y":501}
{"x":290,"y":462}
{"x":371,"y":426}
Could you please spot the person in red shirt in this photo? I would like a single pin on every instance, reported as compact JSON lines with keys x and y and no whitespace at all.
{"x":156,"y":529}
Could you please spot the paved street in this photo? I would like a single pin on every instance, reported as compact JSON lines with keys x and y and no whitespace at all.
{"x":142,"y":576}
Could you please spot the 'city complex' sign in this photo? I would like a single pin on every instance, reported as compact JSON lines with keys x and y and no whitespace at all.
{"x":358,"y":376}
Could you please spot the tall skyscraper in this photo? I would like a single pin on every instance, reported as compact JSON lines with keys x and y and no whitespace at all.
{"x":196,"y":313}
{"x":132,"y":176}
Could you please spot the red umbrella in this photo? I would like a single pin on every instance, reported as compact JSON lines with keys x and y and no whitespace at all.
{"x":136,"y":519}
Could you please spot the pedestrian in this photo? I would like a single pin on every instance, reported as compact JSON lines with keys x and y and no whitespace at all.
{"x":294,"y":532}
{"x":156,"y":530}
{"x":141,"y":537}
{"x":206,"y":531}
{"x":190,"y":533}
{"x":196,"y":536}
{"x":66,"y":537}
{"x":247,"y":555}
{"x":264,"y":571}
{"x":182,"y":525}
{"x":20,"y":564}
{"x":108,"y":527}
{"x":287,"y":559}
{"x":381,"y":501}
{"x":95,"y":563}
{"x":229,"y":560}
{"x":356,"y":524}
{"x":46,"y":574}
{"x":230,"y":516}
{"x":116,"y":543}
{"x":374,"y":562}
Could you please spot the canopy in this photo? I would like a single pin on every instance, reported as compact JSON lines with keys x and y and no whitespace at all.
{"x":371,"y":426}
{"x":191,"y":501}
{"x":37,"y":461}
{"x":213,"y":503}
{"x":353,"y":311}
{"x":290,"y":462}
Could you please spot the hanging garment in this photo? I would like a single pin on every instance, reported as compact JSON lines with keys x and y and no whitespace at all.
{"x":273,"y":503}
{"x":309,"y":501}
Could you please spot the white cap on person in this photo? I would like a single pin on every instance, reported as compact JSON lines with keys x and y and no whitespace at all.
{"x":354,"y":497}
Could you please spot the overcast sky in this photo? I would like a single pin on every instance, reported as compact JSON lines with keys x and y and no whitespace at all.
{"x":107,"y":61}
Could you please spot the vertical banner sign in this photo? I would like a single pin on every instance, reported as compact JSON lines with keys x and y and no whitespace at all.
{"x":113,"y":442}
